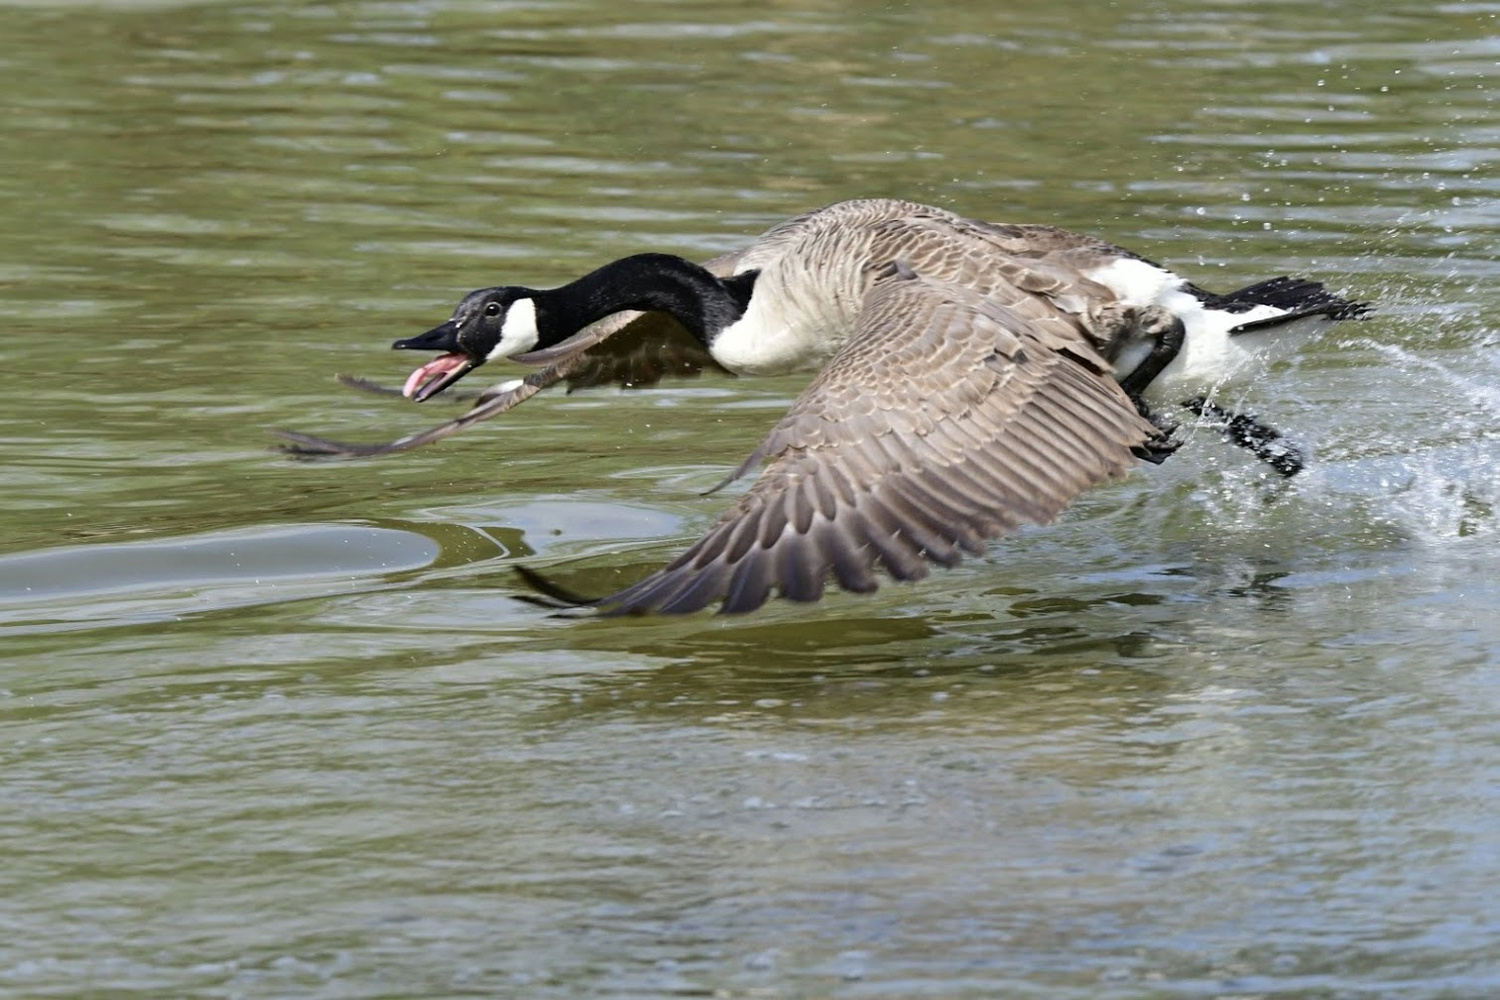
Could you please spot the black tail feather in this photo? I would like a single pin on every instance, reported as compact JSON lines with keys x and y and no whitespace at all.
{"x":1298,"y":296}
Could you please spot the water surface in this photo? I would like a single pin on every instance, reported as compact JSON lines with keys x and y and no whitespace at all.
{"x":274,"y":728}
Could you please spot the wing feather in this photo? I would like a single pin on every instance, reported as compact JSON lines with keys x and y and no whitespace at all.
{"x":490,"y":403}
{"x":948,"y":419}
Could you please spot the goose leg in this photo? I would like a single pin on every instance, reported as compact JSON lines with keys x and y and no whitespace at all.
{"x":1243,"y":429}
{"x":1246,"y":430}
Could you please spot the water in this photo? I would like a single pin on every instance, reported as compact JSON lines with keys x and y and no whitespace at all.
{"x":273,"y":729}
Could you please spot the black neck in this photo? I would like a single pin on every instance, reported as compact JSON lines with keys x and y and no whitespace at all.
{"x":650,"y":282}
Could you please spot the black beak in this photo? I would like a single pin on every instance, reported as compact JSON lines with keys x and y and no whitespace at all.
{"x":440,"y":338}
{"x":441,"y":372}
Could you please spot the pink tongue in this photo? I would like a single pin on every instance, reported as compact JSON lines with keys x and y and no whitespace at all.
{"x":431,"y":370}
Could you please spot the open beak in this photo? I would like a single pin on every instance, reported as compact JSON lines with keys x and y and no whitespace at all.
{"x":441,"y":372}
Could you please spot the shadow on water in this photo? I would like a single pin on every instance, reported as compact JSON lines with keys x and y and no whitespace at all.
{"x":903,"y":669}
{"x":119,"y":583}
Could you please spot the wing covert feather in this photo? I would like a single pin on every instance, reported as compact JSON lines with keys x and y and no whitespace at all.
{"x":948,"y":419}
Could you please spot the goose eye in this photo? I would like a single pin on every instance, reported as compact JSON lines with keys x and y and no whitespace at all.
{"x":493,"y":309}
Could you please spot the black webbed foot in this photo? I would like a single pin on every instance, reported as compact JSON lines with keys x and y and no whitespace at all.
{"x":1159,"y":448}
{"x":1244,"y":429}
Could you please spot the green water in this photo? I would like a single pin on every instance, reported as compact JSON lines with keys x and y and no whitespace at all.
{"x":282,"y":729}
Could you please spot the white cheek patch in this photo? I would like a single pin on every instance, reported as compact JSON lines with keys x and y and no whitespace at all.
{"x":518,"y":334}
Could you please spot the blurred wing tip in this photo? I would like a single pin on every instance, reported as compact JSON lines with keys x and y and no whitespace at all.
{"x":549,"y":593}
{"x":306,"y":446}
{"x":362,"y":384}
{"x":365,"y":385}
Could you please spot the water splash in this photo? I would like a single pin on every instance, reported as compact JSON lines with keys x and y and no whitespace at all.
{"x":1436,"y":480}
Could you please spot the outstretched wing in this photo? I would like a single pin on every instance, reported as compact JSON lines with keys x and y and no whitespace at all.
{"x":629,"y":348}
{"x":490,"y":403}
{"x":948,"y":418}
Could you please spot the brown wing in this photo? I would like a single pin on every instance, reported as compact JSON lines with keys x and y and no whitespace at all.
{"x":949,"y":418}
{"x":628,"y":348}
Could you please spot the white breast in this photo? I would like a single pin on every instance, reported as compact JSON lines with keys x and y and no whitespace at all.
{"x":793,"y":323}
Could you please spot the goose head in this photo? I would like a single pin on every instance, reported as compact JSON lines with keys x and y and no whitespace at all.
{"x":511,"y":320}
{"x":488,"y":324}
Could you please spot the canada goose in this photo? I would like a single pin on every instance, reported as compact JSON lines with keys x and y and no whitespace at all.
{"x":972,"y":377}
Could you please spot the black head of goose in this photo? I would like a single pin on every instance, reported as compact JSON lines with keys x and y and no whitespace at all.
{"x":513,"y":321}
{"x":972,"y":378}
